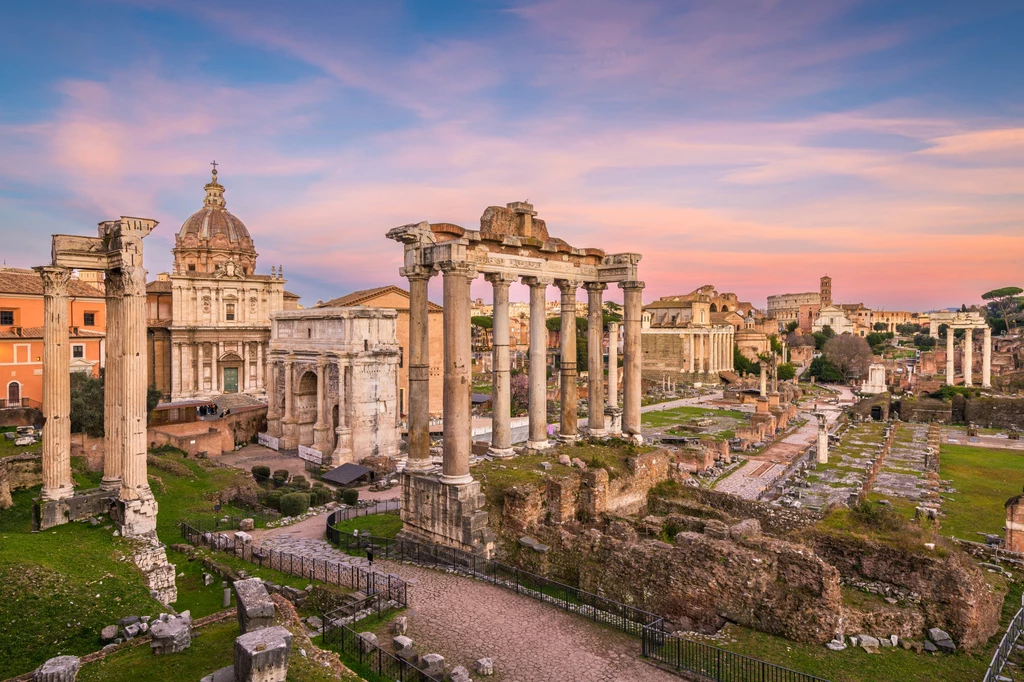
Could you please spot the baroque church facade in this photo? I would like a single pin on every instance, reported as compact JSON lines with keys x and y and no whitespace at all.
{"x":209,"y":318}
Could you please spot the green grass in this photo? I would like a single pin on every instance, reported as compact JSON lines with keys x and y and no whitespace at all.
{"x":212,"y":648}
{"x":984,"y":479}
{"x":677,"y":415}
{"x":379,"y":525}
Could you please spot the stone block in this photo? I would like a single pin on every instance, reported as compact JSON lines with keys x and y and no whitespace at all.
{"x":400,"y":625}
{"x":367,"y":642}
{"x":579,"y":463}
{"x":716,"y":529}
{"x":246,"y":525}
{"x":564,"y":460}
{"x":748,"y":528}
{"x":59,"y":669}
{"x":262,"y":655}
{"x":173,"y":635}
{"x":315,"y":623}
{"x":433,"y":665}
{"x":484,"y":666}
{"x":401,"y":643}
{"x":243,"y":537}
{"x":207,"y":579}
{"x":109,"y":633}
{"x":255,"y":607}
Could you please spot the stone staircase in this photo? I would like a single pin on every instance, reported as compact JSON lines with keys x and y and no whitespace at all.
{"x":233,"y":401}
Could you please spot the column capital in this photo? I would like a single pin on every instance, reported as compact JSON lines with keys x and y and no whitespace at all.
{"x":537,"y":282}
{"x":500,"y":279}
{"x":417,"y":272}
{"x":322,"y":360}
{"x":457,"y":268}
{"x":55,"y":279}
{"x":614,"y":327}
{"x":632,"y":284}
{"x":567,"y":286}
{"x":595,"y":286}
{"x":133,"y":280}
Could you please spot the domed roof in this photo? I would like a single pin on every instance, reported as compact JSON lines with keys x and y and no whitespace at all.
{"x":214,"y":219}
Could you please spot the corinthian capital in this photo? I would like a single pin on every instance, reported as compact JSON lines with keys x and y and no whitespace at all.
{"x":55,"y":280}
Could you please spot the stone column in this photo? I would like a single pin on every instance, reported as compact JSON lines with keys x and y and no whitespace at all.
{"x":114,"y":361}
{"x":968,"y":360}
{"x":691,"y":347}
{"x":139,"y":507}
{"x":631,"y":380}
{"x":322,"y":428}
{"x":950,"y":371}
{"x":457,"y":373}
{"x":343,"y":432}
{"x":986,"y":359}
{"x":501,"y":392}
{"x":288,"y":363}
{"x":613,"y":364}
{"x":822,"y":446}
{"x":764,"y":380}
{"x":243,"y":381}
{"x":175,"y":362}
{"x":595,"y":357}
{"x":538,"y":438}
{"x":57,"y":481}
{"x":419,"y":369}
{"x":216,"y":382}
{"x":273,"y":400}
{"x":259,"y":365}
{"x":567,"y":430}
{"x":200,"y":368}
{"x":712,"y":351}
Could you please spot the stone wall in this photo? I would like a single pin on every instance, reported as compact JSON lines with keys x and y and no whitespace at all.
{"x":213,"y":437}
{"x":21,"y":416}
{"x":997,"y":412}
{"x":18,"y":472}
{"x":92,"y":449}
{"x":925,"y":410}
{"x":777,"y":521}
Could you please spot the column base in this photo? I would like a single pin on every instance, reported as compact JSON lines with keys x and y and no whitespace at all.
{"x":274,"y":427}
{"x":568,"y":437}
{"x":112,"y":485}
{"x":465,"y":479}
{"x":416,"y":466}
{"x":538,"y":444}
{"x":136,"y":517}
{"x":63,"y":492}
{"x":984,"y":385}
{"x":84,"y":505}
{"x":599,"y":433}
{"x":501,"y":453}
{"x":634,"y":438}
{"x":452,"y":515}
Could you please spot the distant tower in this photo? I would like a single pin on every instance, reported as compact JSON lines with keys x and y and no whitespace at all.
{"x":826,"y":291}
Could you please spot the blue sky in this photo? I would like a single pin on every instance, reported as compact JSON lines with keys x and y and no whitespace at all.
{"x":750,"y":145}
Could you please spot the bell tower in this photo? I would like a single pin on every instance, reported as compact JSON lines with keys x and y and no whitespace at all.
{"x":826,"y":291}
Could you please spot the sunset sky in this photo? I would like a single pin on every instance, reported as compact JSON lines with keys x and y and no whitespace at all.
{"x":750,"y":145}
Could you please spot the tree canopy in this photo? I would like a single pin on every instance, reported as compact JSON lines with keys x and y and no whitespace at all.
{"x":1007,"y":302}
{"x":849,"y":354}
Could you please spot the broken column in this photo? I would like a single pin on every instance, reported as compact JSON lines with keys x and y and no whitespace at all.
{"x":262,"y":656}
{"x":822,"y":445}
{"x":255,"y":607}
{"x":58,"y":669}
{"x":172,"y":635}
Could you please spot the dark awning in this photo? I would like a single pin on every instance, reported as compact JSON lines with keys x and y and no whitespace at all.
{"x":346,"y":473}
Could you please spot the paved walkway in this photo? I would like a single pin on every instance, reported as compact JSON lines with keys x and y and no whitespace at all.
{"x":464,"y":619}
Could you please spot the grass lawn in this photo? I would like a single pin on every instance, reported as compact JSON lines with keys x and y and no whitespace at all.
{"x":984,"y":480}
{"x":379,"y":525}
{"x":677,"y":415}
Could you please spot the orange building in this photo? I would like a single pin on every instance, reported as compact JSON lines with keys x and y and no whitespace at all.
{"x":21,"y":333}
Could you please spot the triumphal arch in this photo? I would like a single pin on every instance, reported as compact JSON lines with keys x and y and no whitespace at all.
{"x":512,"y":243}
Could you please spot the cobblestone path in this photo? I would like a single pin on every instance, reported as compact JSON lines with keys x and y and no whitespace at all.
{"x":464,"y":619}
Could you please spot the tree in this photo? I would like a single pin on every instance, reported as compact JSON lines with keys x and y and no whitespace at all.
{"x":86,"y":404}
{"x":520,"y":390}
{"x":924,"y":342}
{"x":785,"y":371}
{"x":482,"y":321}
{"x":824,"y":371}
{"x":741,"y":363}
{"x":153,"y":397}
{"x":1006,"y":300}
{"x":908,"y":329}
{"x":792,"y":326}
{"x":876,"y":339}
{"x":880,"y":327}
{"x":849,"y":354}
{"x":821,"y":337}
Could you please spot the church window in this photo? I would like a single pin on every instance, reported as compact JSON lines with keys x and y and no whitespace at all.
{"x":229,"y":311}
{"x":191,"y":267}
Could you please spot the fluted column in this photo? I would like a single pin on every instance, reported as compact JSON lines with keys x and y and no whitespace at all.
{"x":501,"y":391}
{"x":538,"y":437}
{"x":259,"y":365}
{"x":322,"y":426}
{"x":613,"y":364}
{"x":215,"y":379}
{"x":175,"y":362}
{"x":712,"y":351}
{"x":200,"y":373}
{"x":458,"y":376}
{"x":764,"y":379}
{"x":57,"y":481}
{"x":243,"y":381}
{"x":419,"y":369}
{"x":134,"y":484}
{"x":950,"y":371}
{"x":288,"y":402}
{"x":568,"y":428}
{"x":986,"y":359}
{"x":632,"y":312}
{"x":112,"y":396}
{"x":595,"y":357}
{"x":968,"y":357}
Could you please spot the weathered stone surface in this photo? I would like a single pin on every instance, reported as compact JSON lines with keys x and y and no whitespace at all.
{"x":59,"y":669}
{"x":748,"y":528}
{"x":315,"y":622}
{"x":400,"y":625}
{"x":836,"y":645}
{"x":262,"y":655}
{"x":401,"y":643}
{"x":867,"y":642}
{"x":243,"y":537}
{"x":564,"y":460}
{"x":246,"y":525}
{"x":367,"y":642}
{"x":173,"y":635}
{"x":108,"y":633}
{"x":255,"y":607}
{"x":484,"y":666}
{"x":433,"y":665}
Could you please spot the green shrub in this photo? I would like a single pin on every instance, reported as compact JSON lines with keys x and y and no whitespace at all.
{"x":320,"y":494}
{"x":294,"y":504}
{"x":261,"y":472}
{"x":300,"y":483}
{"x":281,"y":477}
{"x":273,"y":500}
{"x":350,"y":496}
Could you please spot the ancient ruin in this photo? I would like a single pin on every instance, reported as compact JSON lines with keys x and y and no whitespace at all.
{"x":968,"y":321}
{"x":333,"y":384}
{"x":510,"y":244}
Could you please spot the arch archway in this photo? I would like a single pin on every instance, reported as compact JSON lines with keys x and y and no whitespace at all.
{"x":714,"y":308}
{"x":304,"y":401}
{"x":13,"y":394}
{"x":725,"y":308}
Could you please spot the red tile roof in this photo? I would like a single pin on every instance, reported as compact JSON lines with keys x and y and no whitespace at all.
{"x":28,"y":282}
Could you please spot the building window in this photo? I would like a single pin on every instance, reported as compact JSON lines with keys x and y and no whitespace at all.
{"x":78,"y":350}
{"x":191,"y":267}
{"x":230,"y":311}
{"x":6,"y":317}
{"x":89,"y":320}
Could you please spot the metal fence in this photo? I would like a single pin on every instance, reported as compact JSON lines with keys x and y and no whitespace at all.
{"x":1005,"y":648}
{"x":713,"y":662}
{"x":370,"y":582}
{"x":380,"y":507}
{"x":347,"y":642}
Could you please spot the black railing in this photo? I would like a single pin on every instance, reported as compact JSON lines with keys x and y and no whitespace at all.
{"x":370,"y":582}
{"x":1005,"y":648}
{"x":347,"y":642}
{"x":349,"y":513}
{"x":713,"y":662}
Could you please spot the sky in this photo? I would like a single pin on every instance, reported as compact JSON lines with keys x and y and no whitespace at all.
{"x":750,"y":144}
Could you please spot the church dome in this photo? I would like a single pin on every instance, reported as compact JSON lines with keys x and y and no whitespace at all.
{"x":212,"y":236}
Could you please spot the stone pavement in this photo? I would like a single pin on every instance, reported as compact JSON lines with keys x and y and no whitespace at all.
{"x":464,"y":619}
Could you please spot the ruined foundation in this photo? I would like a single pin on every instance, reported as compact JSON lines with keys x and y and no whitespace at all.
{"x":453,"y":515}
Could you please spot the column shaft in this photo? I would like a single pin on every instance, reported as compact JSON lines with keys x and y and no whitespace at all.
{"x":175,"y":361}
{"x":200,"y":368}
{"x":288,"y":390}
{"x":613,"y":364}
{"x":501,"y":391}
{"x":419,"y":370}
{"x":631,"y":380}
{"x":243,"y":381}
{"x":950,"y":371}
{"x":595,"y":357}
{"x":690,"y":349}
{"x":458,"y":378}
{"x":273,"y":404}
{"x":259,"y":364}
{"x":57,"y":481}
{"x":568,"y":427}
{"x":114,"y":361}
{"x":134,"y":484}
{"x":968,"y":357}
{"x":538,"y":369}
{"x":986,"y":359}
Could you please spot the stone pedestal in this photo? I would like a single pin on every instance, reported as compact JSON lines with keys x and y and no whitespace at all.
{"x":262,"y":656}
{"x":137,"y":516}
{"x":150,"y":557}
{"x":59,"y":669}
{"x":452,"y":515}
{"x":613,"y":421}
{"x":255,"y":607}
